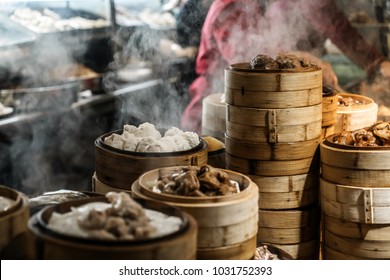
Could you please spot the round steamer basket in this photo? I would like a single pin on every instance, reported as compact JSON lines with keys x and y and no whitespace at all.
{"x":49,"y":244}
{"x":227,"y":225}
{"x":13,"y":225}
{"x":327,"y":131}
{"x":351,"y":241}
{"x":287,"y":192}
{"x":355,"y":204}
{"x":329,"y":109}
{"x":214,"y":116}
{"x":366,"y":167}
{"x":356,"y":117}
{"x":296,"y":231}
{"x":274,"y":125}
{"x":272,"y":167}
{"x":267,"y":89}
{"x":119,"y":168}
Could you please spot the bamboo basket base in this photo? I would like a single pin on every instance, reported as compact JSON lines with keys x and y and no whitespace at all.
{"x":101,"y":188}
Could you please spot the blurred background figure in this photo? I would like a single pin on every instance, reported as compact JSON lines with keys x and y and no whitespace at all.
{"x":237,"y":30}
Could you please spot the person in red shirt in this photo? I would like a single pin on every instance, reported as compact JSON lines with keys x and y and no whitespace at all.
{"x":237,"y":30}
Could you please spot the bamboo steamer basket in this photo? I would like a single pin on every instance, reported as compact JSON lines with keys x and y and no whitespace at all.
{"x":355,"y":166}
{"x":363,"y":235}
{"x":272,"y":167}
{"x":48,"y":244}
{"x":287,"y":192}
{"x":99,"y":187}
{"x":356,"y":117}
{"x":351,"y":248}
{"x":119,"y":169}
{"x":214,"y":115}
{"x":329,"y":109}
{"x":13,"y":225}
{"x":272,"y":89}
{"x":274,"y":125}
{"x":271,"y":151}
{"x":355,"y":204}
{"x":227,"y":225}
{"x":297,"y":231}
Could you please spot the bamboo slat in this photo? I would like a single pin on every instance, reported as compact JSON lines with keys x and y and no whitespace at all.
{"x":271,"y":99}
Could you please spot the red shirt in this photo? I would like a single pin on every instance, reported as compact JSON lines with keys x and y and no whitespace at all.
{"x":237,"y":30}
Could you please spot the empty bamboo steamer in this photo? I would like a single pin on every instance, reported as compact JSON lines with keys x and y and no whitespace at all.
{"x":119,"y":168}
{"x":296,"y":231}
{"x":13,"y":224}
{"x":355,"y":117}
{"x":227,"y":225}
{"x":287,"y":192}
{"x":48,"y":244}
{"x":214,"y":115}
{"x":355,"y":204}
{"x":355,"y":166}
{"x":353,"y":241}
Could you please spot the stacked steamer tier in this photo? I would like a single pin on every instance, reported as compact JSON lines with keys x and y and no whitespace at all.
{"x":355,"y":111}
{"x":117,"y":168}
{"x":214,"y":116}
{"x":273,"y":130}
{"x":355,"y":194}
{"x":227,"y":222}
{"x":329,"y":111}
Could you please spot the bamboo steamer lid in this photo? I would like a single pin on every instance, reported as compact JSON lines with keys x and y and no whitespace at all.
{"x":355,"y":204}
{"x":287,"y":192}
{"x":13,"y":225}
{"x":119,"y":168}
{"x":356,"y":117}
{"x":53,"y":245}
{"x":225,"y":223}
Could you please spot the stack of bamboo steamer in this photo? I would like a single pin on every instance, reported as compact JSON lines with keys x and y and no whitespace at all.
{"x":355,"y":201}
{"x":273,"y":129}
